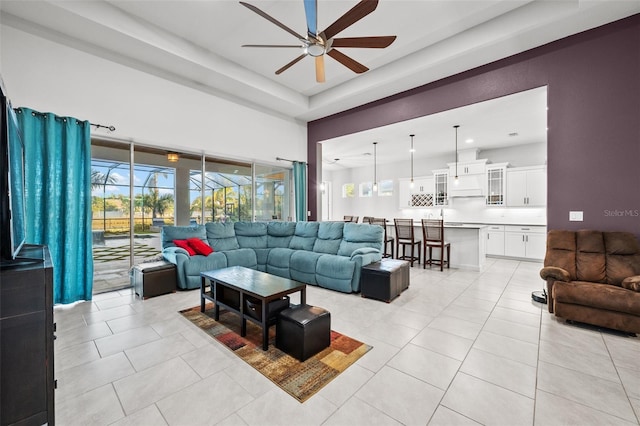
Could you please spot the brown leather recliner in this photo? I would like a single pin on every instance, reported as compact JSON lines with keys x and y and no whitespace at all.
{"x":594,"y":277}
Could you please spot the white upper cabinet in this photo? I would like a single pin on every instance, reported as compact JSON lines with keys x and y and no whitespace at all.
{"x":471,"y":179}
{"x":496,"y":184}
{"x":441,"y":187}
{"x":420,"y":194}
{"x":527,"y":186}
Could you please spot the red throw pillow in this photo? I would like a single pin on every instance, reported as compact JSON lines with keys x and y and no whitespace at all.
{"x":185,"y":245}
{"x":200,"y":246}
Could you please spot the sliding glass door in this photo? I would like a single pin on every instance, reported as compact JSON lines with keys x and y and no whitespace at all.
{"x":110,"y":205}
{"x":137,"y":190}
{"x":273,"y":187}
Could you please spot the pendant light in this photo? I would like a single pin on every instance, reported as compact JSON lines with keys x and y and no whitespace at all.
{"x":411,"y":151}
{"x":375,"y":171}
{"x":456,"y":179}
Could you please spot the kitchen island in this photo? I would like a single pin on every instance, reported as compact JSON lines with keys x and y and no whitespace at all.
{"x":468,"y":244}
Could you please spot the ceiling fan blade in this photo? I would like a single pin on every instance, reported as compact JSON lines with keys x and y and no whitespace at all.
{"x":297,"y":46}
{"x":311,"y":12}
{"x":356,"y":13}
{"x":320,"y":69}
{"x":272,"y":20}
{"x":352,"y":64}
{"x":286,"y":67}
{"x":370,"y":42}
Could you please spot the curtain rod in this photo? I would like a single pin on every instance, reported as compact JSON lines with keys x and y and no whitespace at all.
{"x":42,"y":114}
{"x":285,"y":159}
{"x":101,"y":126}
{"x":291,"y":161}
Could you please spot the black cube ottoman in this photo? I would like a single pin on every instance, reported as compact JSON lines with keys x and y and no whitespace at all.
{"x":384,"y":280}
{"x":154,"y":278}
{"x":303,"y":330}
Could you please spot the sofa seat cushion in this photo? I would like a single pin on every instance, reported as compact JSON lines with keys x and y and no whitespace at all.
{"x":303,"y":266}
{"x":278,"y":262}
{"x":335,"y":272}
{"x":599,"y":296}
{"x":279,"y":234}
{"x":221,"y":236}
{"x":242,"y":257}
{"x":251,"y":234}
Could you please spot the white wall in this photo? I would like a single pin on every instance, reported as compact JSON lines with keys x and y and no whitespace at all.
{"x":458,"y":210}
{"x":50,"y":77}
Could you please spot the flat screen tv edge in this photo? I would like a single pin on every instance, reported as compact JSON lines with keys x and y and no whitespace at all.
{"x":12,"y":198}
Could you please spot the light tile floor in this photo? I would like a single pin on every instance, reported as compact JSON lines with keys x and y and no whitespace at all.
{"x":456,"y":348}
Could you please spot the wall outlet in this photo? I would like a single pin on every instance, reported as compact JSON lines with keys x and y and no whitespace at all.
{"x":575,"y":216}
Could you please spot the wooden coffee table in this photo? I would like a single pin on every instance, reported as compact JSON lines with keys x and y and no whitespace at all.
{"x":232,"y":287}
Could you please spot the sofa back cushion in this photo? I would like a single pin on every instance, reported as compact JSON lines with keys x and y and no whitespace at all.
{"x":329,"y":237}
{"x":170,"y":233}
{"x":304,"y":236}
{"x":251,"y":234}
{"x":221,"y":236}
{"x":361,"y":235}
{"x":623,"y":256}
{"x":561,"y":251}
{"x":590,"y":257}
{"x":279,"y":234}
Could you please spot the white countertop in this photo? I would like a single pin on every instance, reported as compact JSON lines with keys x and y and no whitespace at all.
{"x":456,"y":225}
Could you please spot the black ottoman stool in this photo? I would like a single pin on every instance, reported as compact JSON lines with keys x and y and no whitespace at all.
{"x":302,"y":331}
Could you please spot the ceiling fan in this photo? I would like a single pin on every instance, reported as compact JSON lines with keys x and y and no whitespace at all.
{"x":317,"y":44}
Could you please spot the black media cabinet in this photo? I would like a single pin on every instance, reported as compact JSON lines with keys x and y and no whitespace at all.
{"x":27,"y":382}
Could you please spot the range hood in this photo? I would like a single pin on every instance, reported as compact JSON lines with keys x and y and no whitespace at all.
{"x":469,"y":192}
{"x":471,"y":175}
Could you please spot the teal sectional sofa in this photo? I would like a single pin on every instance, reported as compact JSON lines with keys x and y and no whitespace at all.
{"x":327,"y":254}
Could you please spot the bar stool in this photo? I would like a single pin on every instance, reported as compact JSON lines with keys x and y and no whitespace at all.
{"x":433,"y":234}
{"x":405,"y":237}
{"x":383,"y":222}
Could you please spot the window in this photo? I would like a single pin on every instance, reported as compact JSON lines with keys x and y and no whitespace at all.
{"x":385,"y":188}
{"x":228,"y":191}
{"x":348,"y":190}
{"x":366,"y":189}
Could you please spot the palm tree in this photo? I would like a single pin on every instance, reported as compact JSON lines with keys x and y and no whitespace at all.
{"x":99,"y":179}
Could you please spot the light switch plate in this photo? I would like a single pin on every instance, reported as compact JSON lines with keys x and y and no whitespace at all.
{"x":576,"y":216}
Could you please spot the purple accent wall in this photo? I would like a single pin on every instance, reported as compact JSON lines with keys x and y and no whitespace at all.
{"x":593,"y":81}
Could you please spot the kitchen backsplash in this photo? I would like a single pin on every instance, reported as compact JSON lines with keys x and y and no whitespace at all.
{"x":474,"y":210}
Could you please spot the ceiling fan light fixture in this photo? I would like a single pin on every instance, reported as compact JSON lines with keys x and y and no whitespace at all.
{"x":315,"y":50}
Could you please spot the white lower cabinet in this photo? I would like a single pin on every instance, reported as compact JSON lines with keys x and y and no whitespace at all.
{"x":528,"y":242}
{"x":495,"y":240}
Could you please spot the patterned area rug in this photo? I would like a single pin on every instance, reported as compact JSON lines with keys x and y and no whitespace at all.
{"x":299,"y":379}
